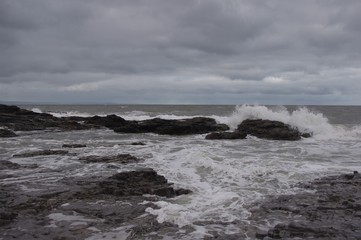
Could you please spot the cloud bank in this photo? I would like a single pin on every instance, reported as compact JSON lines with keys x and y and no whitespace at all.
{"x":190,"y":52}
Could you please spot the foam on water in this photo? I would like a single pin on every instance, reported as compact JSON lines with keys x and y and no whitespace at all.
{"x":302,"y":118}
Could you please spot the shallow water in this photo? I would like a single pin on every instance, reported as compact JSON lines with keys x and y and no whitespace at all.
{"x":226,"y":176}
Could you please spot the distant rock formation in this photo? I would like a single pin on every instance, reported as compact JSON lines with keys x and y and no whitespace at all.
{"x":265,"y":129}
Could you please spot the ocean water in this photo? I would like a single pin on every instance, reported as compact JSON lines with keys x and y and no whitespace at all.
{"x":226,"y":176}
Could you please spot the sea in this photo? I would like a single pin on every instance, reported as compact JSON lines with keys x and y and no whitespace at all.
{"x":227,"y":177}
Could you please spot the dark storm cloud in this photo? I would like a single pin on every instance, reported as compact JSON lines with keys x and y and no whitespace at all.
{"x":180,"y":51}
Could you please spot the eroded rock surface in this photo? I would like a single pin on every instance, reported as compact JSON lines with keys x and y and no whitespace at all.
{"x":80,"y":208}
{"x":333,"y":211}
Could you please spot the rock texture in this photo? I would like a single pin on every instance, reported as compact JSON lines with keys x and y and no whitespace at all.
{"x":80,"y":208}
{"x":332,"y":212}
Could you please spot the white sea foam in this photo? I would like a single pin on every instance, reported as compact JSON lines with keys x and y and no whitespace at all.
{"x":37,"y":110}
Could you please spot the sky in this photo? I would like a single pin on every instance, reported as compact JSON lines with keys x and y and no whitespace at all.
{"x":181,"y":51}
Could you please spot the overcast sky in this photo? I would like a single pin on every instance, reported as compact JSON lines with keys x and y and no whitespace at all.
{"x":181,"y":51}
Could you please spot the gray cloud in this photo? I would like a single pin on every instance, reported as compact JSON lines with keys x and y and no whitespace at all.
{"x":169,"y":51}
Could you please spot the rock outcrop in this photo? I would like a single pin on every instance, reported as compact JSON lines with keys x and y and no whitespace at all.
{"x":267,"y":129}
{"x":197,"y":125}
{"x":333,"y":211}
{"x":18,"y":119}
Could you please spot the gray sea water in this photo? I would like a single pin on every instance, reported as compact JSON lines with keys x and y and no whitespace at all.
{"x":226,"y":176}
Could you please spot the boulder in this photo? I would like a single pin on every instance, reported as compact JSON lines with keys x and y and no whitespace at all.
{"x":267,"y":129}
{"x":137,"y":183}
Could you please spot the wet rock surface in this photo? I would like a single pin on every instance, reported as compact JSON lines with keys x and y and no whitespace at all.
{"x":120,"y":158}
{"x":5,"y":133}
{"x":226,"y":135}
{"x":267,"y":129}
{"x":197,"y":125}
{"x":333,"y":211}
{"x":74,"y":145}
{"x":41,"y":153}
{"x":81,"y":207}
{"x":18,"y":119}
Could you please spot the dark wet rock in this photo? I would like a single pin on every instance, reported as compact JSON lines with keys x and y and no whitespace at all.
{"x":4,"y":164}
{"x":5,"y":133}
{"x":18,"y":119}
{"x":109,"y":121}
{"x":73,"y":145}
{"x":73,"y":209}
{"x":267,"y":129}
{"x":226,"y":135}
{"x":137,"y":183}
{"x":42,"y":153}
{"x":197,"y":125}
{"x":120,"y":158}
{"x":138,"y":144}
{"x":333,"y":211}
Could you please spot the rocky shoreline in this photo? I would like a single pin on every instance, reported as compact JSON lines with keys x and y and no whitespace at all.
{"x":101,"y":207}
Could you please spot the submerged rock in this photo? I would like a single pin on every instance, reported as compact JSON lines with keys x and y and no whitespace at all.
{"x":333,"y":211}
{"x":4,"y":164}
{"x":136,"y":183}
{"x":42,"y":153}
{"x":5,"y":133}
{"x":120,"y":158}
{"x":226,"y":135}
{"x":73,"y":145}
{"x":267,"y":129}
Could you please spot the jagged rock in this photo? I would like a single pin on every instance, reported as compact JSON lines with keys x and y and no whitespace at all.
{"x":226,"y":135}
{"x":120,"y":158}
{"x":333,"y":211}
{"x":42,"y":153}
{"x":73,"y":145}
{"x":5,"y":133}
{"x":136,"y":183}
{"x":267,"y":129}
{"x":197,"y":125}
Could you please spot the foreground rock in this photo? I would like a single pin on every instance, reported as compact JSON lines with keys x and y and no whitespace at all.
{"x":137,"y":183}
{"x":120,"y":158}
{"x":6,"y":133}
{"x":267,"y":129}
{"x":332,"y":212}
{"x":73,"y":145}
{"x":86,"y":207}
